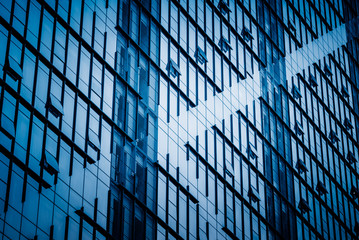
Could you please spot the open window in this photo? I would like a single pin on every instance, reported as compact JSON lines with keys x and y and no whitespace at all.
{"x":298,"y":128}
{"x":296,"y":92}
{"x":301,"y":166}
{"x":347,"y":124}
{"x":94,"y":141}
{"x":351,"y":158}
{"x":327,"y":70}
{"x":253,"y":195}
{"x":201,"y":56}
{"x":252,"y":151}
{"x":223,"y":7}
{"x":303,"y":206}
{"x":13,"y":69}
{"x":321,"y":189}
{"x":354,"y":192}
{"x":246,"y":34}
{"x":333,"y":137}
{"x":49,"y":163}
{"x":313,"y":81}
{"x":225,"y":45}
{"x":173,"y":69}
{"x":54,"y":106}
{"x":345,"y":92}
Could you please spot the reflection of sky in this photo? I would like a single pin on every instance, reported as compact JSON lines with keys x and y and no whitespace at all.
{"x":247,"y":91}
{"x":313,"y":51}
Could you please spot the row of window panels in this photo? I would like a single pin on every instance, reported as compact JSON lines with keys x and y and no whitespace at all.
{"x":280,"y":135}
{"x":43,"y":31}
{"x":350,"y":159}
{"x":44,"y":164}
{"x":341,"y":94}
{"x":199,"y":53}
{"x":329,"y":123}
{"x":278,"y":139}
{"x":324,"y":80}
{"x":28,"y":209}
{"x":175,"y":70}
{"x":299,"y":165}
{"x":168,"y":99}
{"x":71,"y":69}
{"x":300,"y":124}
{"x":135,"y":69}
{"x":245,"y":33}
{"x":224,"y":8}
{"x":276,"y":130}
{"x":48,"y":158}
{"x":183,"y":167}
{"x":240,"y":30}
{"x":224,"y":45}
{"x":318,"y":187}
{"x":87,"y":61}
{"x":335,"y":134}
{"x":131,"y":169}
{"x":128,"y":220}
{"x":173,"y":214}
{"x":31,"y":130}
{"x":54,"y":104}
{"x":330,"y":14}
{"x":303,"y":94}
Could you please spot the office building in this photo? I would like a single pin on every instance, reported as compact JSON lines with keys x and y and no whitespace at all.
{"x":179,"y":119}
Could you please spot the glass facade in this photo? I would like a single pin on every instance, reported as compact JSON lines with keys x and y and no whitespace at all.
{"x":179,"y":119}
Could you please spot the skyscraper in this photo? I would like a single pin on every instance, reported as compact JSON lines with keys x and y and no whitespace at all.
{"x":179,"y":119}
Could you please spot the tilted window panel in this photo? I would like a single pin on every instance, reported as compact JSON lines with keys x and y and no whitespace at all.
{"x":301,"y":166}
{"x":313,"y":81}
{"x":94,"y":141}
{"x":321,"y":188}
{"x":299,"y":128}
{"x":54,"y":106}
{"x":296,"y":92}
{"x":201,"y":56}
{"x":225,"y":45}
{"x":223,"y":7}
{"x":351,"y":158}
{"x":252,"y":151}
{"x":247,"y":35}
{"x":347,"y":124}
{"x":49,"y":163}
{"x":333,"y":137}
{"x":304,"y":206}
{"x":327,"y":70}
{"x":173,"y":68}
{"x":13,"y":69}
{"x":253,"y":195}
{"x":345,"y":92}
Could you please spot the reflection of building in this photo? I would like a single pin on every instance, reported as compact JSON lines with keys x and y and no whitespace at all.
{"x":179,"y":119}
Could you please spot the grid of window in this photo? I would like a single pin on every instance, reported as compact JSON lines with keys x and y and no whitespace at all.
{"x":179,"y":119}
